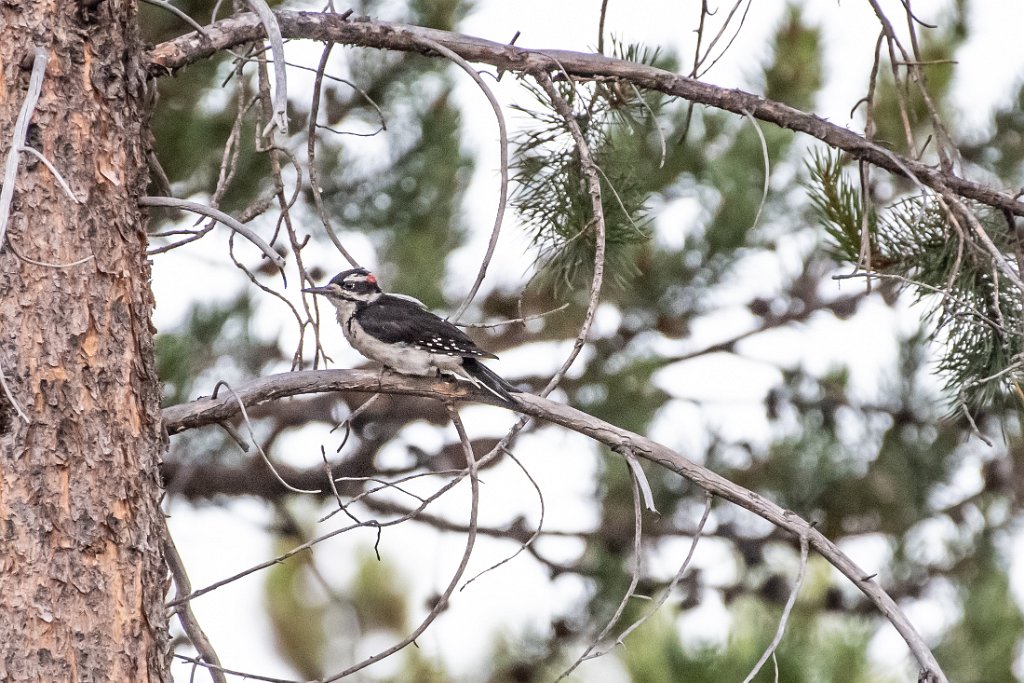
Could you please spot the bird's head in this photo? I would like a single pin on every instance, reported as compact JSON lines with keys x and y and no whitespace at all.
{"x":351,"y":286}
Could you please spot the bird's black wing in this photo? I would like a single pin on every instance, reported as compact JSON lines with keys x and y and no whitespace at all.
{"x":396,"y":320}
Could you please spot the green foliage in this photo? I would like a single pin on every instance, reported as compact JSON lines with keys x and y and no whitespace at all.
{"x":836,"y":200}
{"x":975,"y":310}
{"x":551,"y":194}
{"x":794,"y":76}
{"x":984,"y":645}
{"x":377,"y":597}
{"x":297,"y":621}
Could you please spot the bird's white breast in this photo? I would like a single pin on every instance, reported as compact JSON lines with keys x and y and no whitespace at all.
{"x":399,"y":357}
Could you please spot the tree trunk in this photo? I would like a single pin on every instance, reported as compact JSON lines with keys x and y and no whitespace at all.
{"x":81,"y":571}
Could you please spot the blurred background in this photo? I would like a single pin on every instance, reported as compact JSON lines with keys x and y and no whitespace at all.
{"x":722,"y":333}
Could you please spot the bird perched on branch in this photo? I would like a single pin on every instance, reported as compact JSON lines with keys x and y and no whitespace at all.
{"x":402,"y":334}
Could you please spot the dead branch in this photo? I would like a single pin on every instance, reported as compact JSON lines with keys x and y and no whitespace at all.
{"x":175,"y":54}
{"x":189,"y":623}
{"x":207,"y":411}
{"x":219,"y":216}
{"x":441,"y":603}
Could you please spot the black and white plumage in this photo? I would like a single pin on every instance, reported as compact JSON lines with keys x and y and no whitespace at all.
{"x":402,"y":334}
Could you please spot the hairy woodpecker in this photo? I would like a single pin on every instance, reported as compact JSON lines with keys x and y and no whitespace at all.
{"x":402,"y":334}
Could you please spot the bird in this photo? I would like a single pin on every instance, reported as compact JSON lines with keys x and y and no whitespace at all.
{"x":400,"y":332}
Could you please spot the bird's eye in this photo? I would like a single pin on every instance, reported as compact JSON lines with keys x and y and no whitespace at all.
{"x":349,"y":285}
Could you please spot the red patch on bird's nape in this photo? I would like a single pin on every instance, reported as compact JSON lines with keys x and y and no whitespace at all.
{"x":371,"y":279}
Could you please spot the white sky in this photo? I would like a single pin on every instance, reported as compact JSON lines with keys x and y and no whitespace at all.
{"x":218,"y":541}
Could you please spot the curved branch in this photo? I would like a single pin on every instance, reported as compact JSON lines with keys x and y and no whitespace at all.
{"x":219,"y":216}
{"x":502,"y":188}
{"x":190,"y":48}
{"x":207,"y":411}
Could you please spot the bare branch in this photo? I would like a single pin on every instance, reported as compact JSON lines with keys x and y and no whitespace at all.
{"x":514,"y":321}
{"x":634,"y":581}
{"x":302,"y":547}
{"x":190,"y":48}
{"x":640,"y":477}
{"x":442,"y":601}
{"x":314,"y":173}
{"x":234,"y":672}
{"x":590,"y":172}
{"x":533,"y":536}
{"x":220,"y":216}
{"x":256,"y":443}
{"x":273,"y":31}
{"x":784,"y":619}
{"x":678,"y":575}
{"x":503,"y":145}
{"x":208,"y":411}
{"x":182,"y":586}
{"x":767,"y":168}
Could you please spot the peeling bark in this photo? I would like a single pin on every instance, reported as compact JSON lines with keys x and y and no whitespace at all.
{"x":81,"y":573}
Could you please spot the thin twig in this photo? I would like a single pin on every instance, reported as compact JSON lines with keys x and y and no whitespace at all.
{"x":178,"y":13}
{"x":999,"y":259}
{"x":503,"y":150}
{"x":600,"y":26}
{"x":56,"y":174}
{"x":189,"y":623}
{"x":46,"y":264}
{"x":640,"y":477}
{"x":590,"y":172}
{"x":221,"y":217}
{"x":767,"y":167}
{"x":311,"y":167}
{"x":735,"y":35}
{"x":864,"y":257}
{"x":965,"y":306}
{"x":514,"y":321}
{"x":441,"y":602}
{"x":256,"y":443}
{"x":533,"y":537}
{"x":28,"y":107}
{"x":351,"y":417}
{"x":331,"y":481}
{"x":662,"y":142}
{"x":634,"y":580}
{"x":10,"y":398}
{"x":234,"y":672}
{"x":784,"y":619}
{"x":273,"y":29}
{"x":708,"y":499}
{"x":302,"y":547}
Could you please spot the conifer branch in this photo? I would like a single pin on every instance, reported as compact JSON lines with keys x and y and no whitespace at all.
{"x":184,"y":50}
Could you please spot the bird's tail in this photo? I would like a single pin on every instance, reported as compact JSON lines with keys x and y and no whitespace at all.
{"x":482,"y":375}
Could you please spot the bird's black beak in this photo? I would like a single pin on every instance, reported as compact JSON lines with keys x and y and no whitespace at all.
{"x":317,"y":290}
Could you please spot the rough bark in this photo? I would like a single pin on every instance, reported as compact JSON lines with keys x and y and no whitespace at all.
{"x":81,"y":572}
